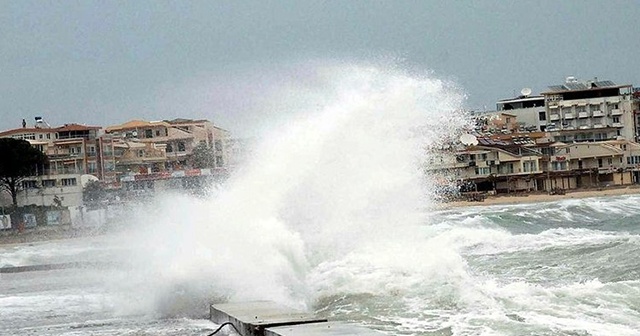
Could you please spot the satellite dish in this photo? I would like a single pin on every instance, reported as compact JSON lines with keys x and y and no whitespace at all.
{"x":86,"y":178}
{"x":525,"y":92}
{"x":468,"y":140}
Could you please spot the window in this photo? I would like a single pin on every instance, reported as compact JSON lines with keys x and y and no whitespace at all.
{"x":169,"y":148}
{"x":581,"y":109}
{"x":157,"y":133}
{"x":29,"y":184}
{"x":559,"y":165}
{"x":594,"y":107}
{"x":148,"y":133}
{"x":542,"y":115}
{"x":92,"y":167}
{"x":39,"y":136}
{"x":218,"y":145}
{"x":48,"y":136}
{"x":219,"y":161}
{"x":529,"y":166}
{"x":507,"y":168}
{"x":613,"y":106}
{"x":616,"y":120}
{"x":181,"y":147}
{"x":548,"y":150}
{"x":69,"y":182}
{"x":140,"y":153}
{"x":609,"y":161}
{"x":483,"y":170}
{"x":48,"y":183}
{"x":599,"y":163}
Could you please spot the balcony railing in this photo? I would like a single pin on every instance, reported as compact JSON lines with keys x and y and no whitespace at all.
{"x":616,"y":112}
{"x":554,"y":117}
{"x":583,"y":115}
{"x":598,"y":113}
{"x":598,"y":126}
{"x":618,"y":124}
{"x":569,"y":115}
{"x":582,"y":127}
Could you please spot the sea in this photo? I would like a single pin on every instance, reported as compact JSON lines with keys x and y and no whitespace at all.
{"x":334,"y":212}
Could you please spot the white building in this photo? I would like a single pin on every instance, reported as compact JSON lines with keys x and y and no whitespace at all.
{"x":589,"y":111}
{"x":529,"y":111}
{"x":44,"y":190}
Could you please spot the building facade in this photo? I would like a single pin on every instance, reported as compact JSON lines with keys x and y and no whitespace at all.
{"x":590,"y":111}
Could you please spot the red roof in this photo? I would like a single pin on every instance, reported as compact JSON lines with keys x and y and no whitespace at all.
{"x":27,"y":130}
{"x":65,"y":128}
{"x":75,"y":127}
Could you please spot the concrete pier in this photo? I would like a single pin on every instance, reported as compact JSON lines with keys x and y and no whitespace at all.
{"x":266,"y":318}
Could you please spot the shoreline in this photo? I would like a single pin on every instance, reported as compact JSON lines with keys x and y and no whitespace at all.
{"x":62,"y":233}
{"x":541,"y":197}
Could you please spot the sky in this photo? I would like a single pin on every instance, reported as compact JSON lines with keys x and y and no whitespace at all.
{"x":107,"y":62}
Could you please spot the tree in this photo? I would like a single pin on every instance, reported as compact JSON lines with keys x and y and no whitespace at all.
{"x":203,"y":156}
{"x":93,"y":193}
{"x":18,"y":159}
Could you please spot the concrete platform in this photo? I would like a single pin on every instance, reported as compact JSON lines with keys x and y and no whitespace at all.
{"x":321,"y":329}
{"x":252,"y":318}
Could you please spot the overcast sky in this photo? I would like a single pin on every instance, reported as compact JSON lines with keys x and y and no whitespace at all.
{"x":106,"y":62}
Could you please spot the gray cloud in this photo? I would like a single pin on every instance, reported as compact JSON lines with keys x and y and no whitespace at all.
{"x":106,"y":62}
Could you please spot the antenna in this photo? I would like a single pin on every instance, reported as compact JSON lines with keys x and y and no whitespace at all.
{"x":525,"y":92}
{"x":468,"y":140}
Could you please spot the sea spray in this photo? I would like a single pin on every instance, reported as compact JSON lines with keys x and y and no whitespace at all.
{"x":339,"y":189}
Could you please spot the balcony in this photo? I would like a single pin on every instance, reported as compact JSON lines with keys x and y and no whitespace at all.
{"x":616,"y":112}
{"x":568,"y":128}
{"x":583,"y":115}
{"x":598,"y":126}
{"x":554,"y":117}
{"x":569,"y":115}
{"x":597,"y":113}
{"x":583,"y":127}
{"x":618,"y":124}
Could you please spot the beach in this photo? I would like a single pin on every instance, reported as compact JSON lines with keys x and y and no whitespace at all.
{"x":537,"y":197}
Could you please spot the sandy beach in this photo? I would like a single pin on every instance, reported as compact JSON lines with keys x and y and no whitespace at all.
{"x":536,"y":197}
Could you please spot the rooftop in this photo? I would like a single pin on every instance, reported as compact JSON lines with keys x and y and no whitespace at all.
{"x":573,"y":85}
{"x":133,"y":124}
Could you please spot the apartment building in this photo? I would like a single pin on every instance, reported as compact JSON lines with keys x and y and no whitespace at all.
{"x":205,"y":132}
{"x":178,"y":138}
{"x":614,"y":162}
{"x":49,"y":190}
{"x":500,"y":165}
{"x":589,"y":111}
{"x":529,"y":110}
{"x":71,"y":149}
